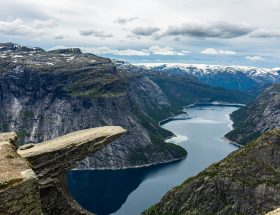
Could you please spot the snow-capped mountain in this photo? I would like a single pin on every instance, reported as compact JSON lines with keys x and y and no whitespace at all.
{"x":230,"y":77}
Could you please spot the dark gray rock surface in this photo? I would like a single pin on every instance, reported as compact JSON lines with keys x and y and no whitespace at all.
{"x":45,"y":94}
{"x":253,"y":120}
{"x":245,"y":182}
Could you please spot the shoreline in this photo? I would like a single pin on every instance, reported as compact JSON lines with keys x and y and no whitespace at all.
{"x":169,"y":119}
{"x":232,"y":142}
{"x":228,"y":140}
{"x":136,"y":167}
{"x":184,"y":114}
{"x":215,"y":103}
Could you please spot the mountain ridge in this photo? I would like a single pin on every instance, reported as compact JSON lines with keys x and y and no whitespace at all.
{"x":243,"y":78}
{"x":45,"y":94}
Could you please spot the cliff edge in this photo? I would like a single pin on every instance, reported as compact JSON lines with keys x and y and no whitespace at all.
{"x":33,"y":178}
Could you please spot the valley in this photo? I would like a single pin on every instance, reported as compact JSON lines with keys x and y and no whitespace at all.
{"x":46,"y":94}
{"x":201,"y":135}
{"x":139,"y":107}
{"x":245,"y":182}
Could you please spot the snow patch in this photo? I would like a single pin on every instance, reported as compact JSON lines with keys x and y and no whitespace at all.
{"x":204,"y":68}
{"x":17,"y":56}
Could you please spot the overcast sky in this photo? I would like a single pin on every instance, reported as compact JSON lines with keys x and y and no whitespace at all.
{"x":243,"y":32}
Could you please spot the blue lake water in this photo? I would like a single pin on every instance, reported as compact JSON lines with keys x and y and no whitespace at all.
{"x":131,"y":191}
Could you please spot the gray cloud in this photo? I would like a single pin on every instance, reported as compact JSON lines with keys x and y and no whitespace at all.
{"x":222,"y":30}
{"x":19,"y":27}
{"x":254,"y":58}
{"x":266,"y":33}
{"x":123,"y":21}
{"x":100,"y":34}
{"x":70,"y":17}
{"x":153,"y":50}
{"x":157,"y":50}
{"x":14,"y":27}
{"x":58,"y":37}
{"x":212,"y":51}
{"x":39,"y":24}
{"x":145,"y":31}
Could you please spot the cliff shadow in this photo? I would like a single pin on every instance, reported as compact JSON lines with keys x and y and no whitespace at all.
{"x":105,"y":191}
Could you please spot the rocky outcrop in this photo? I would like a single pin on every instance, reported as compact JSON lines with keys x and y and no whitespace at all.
{"x":245,"y":182}
{"x":251,"y":121}
{"x":45,"y":172}
{"x":19,"y":187}
{"x":275,"y":212}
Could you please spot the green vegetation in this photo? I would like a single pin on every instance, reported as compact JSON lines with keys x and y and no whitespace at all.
{"x":251,"y":121}
{"x":10,"y":183}
{"x":101,"y":86}
{"x":230,"y":183}
{"x":27,"y":114}
{"x":4,"y":127}
{"x":157,"y":136}
{"x":182,"y":91}
{"x":22,"y":134}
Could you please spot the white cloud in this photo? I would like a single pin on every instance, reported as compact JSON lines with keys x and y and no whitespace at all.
{"x":157,"y":50}
{"x":188,"y":25}
{"x":153,"y":50}
{"x":94,"y":33}
{"x":18,"y":27}
{"x":107,"y":50}
{"x":265,"y":33}
{"x":145,"y":31}
{"x":254,"y":58}
{"x":39,"y":24}
{"x":14,"y":27}
{"x":212,"y":51}
{"x":123,"y":21}
{"x":58,"y":37}
{"x":209,"y":51}
{"x":223,"y":30}
{"x":227,"y":52}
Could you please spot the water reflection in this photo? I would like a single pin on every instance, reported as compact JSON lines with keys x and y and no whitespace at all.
{"x":105,"y":191}
{"x":130,"y":191}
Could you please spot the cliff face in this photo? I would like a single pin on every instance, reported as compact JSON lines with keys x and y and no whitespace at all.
{"x":263,"y":114}
{"x":47,"y":94}
{"x":246,"y":182}
{"x":183,"y":91}
{"x":19,"y":187}
{"x":33,"y":178}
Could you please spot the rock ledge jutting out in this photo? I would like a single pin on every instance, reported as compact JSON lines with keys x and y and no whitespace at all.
{"x":33,"y":178}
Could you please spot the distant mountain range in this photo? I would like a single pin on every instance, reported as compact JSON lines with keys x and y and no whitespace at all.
{"x":241,"y":78}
